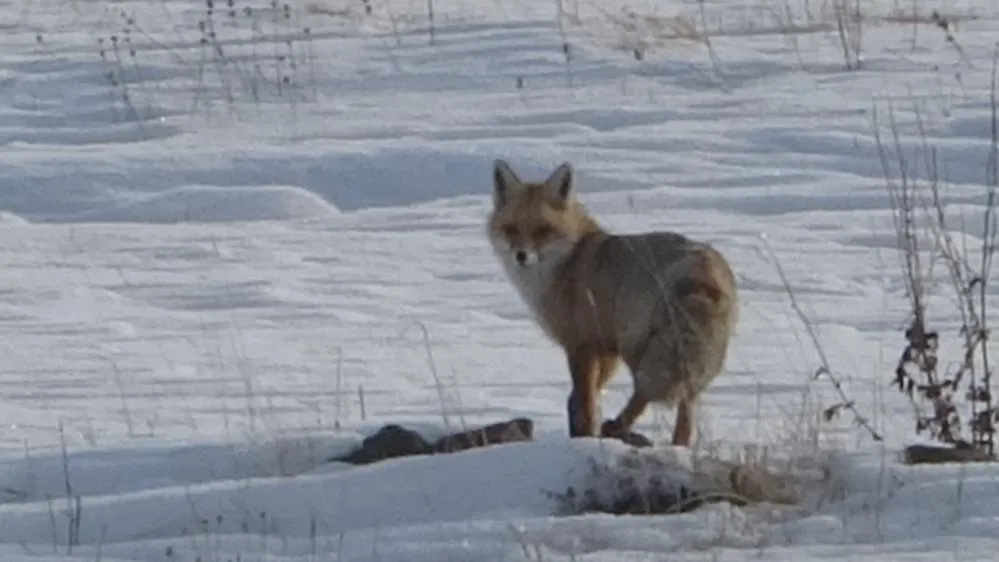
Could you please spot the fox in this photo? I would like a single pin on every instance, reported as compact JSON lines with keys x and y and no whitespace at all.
{"x":660,"y":302}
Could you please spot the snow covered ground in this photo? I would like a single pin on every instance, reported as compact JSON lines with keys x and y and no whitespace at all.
{"x":235,"y":239}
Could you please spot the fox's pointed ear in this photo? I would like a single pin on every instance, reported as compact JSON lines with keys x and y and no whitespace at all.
{"x":560,"y":183}
{"x":505,"y":181}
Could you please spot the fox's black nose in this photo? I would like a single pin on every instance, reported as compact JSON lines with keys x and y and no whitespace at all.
{"x":521,"y":256}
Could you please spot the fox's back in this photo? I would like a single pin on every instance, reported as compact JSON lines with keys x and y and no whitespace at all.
{"x":646,"y":260}
{"x":616,"y":289}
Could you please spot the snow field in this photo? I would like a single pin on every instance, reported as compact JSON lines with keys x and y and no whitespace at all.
{"x":221,"y":269}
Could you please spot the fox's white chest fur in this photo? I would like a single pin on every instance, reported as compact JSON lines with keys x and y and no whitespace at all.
{"x":534,"y":281}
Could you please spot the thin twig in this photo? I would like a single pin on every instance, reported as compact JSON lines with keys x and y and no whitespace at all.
{"x":825,"y":369}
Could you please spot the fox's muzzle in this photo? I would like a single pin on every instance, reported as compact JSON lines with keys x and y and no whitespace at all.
{"x":525,"y":258}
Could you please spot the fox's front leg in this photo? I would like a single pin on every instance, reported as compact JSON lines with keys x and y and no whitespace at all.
{"x":573,"y":410}
{"x":585,"y":368}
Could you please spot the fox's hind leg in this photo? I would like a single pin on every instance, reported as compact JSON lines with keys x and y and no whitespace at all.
{"x":660,"y":373}
{"x":608,"y":366}
{"x":622,"y":424}
{"x":636,"y":406}
{"x":684,"y":427}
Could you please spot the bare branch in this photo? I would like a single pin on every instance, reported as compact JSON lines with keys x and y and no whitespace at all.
{"x":845,"y":402}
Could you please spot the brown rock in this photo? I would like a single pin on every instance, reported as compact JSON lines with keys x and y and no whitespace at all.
{"x":519,"y":429}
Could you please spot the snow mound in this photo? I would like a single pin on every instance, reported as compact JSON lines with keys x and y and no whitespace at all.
{"x":215,"y":204}
{"x":222,"y":486}
{"x":11,"y":219}
{"x":280,"y":497}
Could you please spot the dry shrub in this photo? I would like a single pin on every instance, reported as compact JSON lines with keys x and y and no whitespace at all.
{"x":925,"y":239}
{"x":669,"y":481}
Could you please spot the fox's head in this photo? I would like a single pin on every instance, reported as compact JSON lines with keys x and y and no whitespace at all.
{"x":535,"y":222}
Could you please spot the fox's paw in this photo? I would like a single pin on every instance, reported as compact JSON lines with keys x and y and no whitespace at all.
{"x":612,"y":429}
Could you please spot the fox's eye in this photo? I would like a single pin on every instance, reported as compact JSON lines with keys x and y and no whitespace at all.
{"x":509,"y":231}
{"x":543,"y":232}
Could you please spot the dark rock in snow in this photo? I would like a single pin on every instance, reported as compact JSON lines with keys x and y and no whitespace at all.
{"x":930,"y":454}
{"x":393,"y":441}
{"x":388,"y":442}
